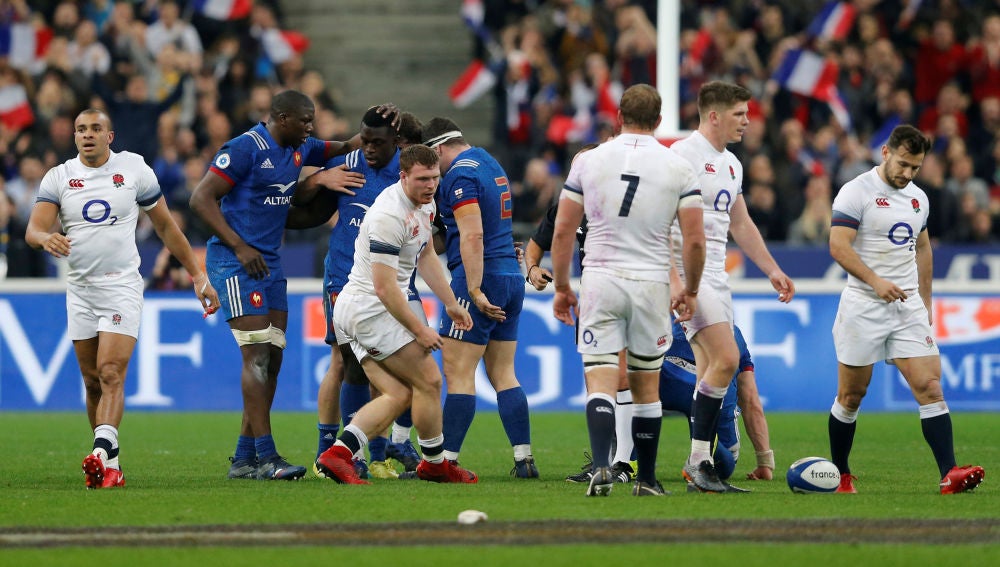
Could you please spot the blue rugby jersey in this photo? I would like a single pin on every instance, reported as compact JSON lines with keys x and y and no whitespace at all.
{"x":263,"y":176}
{"x":352,"y":209}
{"x":475,"y":177}
{"x":681,"y":348}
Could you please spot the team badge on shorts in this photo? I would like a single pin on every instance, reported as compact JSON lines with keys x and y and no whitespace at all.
{"x":929,"y":341}
{"x":661,"y":341}
{"x":256,"y":299}
{"x":374,"y":352}
{"x":118,"y":179}
{"x":116,"y":319}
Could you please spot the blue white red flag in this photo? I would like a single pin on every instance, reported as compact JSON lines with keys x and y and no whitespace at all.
{"x":224,"y":9}
{"x":476,"y":80}
{"x":15,"y":110}
{"x":808,"y":73}
{"x":24,"y":45}
{"x":833,"y":22}
{"x":282,"y":45}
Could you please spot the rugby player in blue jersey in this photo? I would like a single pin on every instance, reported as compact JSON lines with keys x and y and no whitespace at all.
{"x":245,"y":198}
{"x":474,"y":202}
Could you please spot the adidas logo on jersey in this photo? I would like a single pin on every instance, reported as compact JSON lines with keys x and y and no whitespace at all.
{"x":267,"y":164}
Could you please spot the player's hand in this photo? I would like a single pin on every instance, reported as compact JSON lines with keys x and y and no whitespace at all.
{"x":519,"y":251}
{"x":783,"y":285}
{"x":483,"y":304}
{"x":56,"y":244}
{"x":388,"y":109}
{"x":459,"y":316}
{"x":339,"y":179}
{"x":564,"y":306}
{"x":539,"y":277}
{"x":429,"y":339}
{"x":684,"y":306}
{"x":207,"y":295}
{"x":888,"y":291}
{"x":252,"y":261}
{"x":760,"y":473}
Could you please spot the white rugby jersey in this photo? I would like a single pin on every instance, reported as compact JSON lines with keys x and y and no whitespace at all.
{"x":98,"y":209}
{"x":888,"y":221}
{"x":631,"y":188}
{"x":393,"y":232}
{"x":721,"y":177}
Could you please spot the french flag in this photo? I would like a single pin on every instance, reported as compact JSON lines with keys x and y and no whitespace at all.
{"x":15,"y":110}
{"x":282,"y":45}
{"x":224,"y":9}
{"x":834,"y":21}
{"x":808,"y":73}
{"x":24,"y":45}
{"x":476,"y":80}
{"x":881,"y":137}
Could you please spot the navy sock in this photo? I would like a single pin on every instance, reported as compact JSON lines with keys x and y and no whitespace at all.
{"x":351,"y":440}
{"x":646,"y":436}
{"x":405,"y":419}
{"x":376,"y":448}
{"x":704,"y":417}
{"x":245,"y":448}
{"x":601,"y":427}
{"x":513,"y":407}
{"x":459,"y":411}
{"x":352,"y":398}
{"x":937,"y":432}
{"x":841,"y":441}
{"x":327,"y":436}
{"x":265,"y":447}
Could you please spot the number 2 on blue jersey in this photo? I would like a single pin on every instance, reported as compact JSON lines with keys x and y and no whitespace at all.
{"x":506,"y":208}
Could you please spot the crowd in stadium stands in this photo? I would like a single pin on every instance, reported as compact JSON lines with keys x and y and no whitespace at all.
{"x":178,"y":83}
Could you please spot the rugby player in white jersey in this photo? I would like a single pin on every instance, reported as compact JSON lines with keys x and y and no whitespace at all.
{"x":879,"y":236}
{"x":631,"y":189}
{"x":392,"y":342}
{"x":96,"y":198}
{"x":723,"y":116}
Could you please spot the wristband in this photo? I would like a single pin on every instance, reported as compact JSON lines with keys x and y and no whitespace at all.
{"x":765,"y":459}
{"x":527,"y":278}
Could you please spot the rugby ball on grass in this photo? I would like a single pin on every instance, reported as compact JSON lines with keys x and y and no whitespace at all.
{"x":813,"y":474}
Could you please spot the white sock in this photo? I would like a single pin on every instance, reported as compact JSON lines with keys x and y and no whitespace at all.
{"x":400,"y":434}
{"x":522,"y":452}
{"x":623,"y":427}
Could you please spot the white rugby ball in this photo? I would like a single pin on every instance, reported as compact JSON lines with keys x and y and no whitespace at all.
{"x":813,"y":474}
{"x":471,"y":517}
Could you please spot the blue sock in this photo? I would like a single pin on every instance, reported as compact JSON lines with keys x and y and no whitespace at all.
{"x":376,"y":448}
{"x":352,"y":398}
{"x":513,"y":407}
{"x":327,"y":436}
{"x":405,"y":419}
{"x":459,"y":410}
{"x":245,"y":448}
{"x":265,"y":447}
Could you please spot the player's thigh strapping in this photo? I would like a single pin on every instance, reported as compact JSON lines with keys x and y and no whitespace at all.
{"x":241,"y":295}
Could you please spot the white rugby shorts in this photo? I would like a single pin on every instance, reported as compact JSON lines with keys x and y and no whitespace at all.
{"x":103,"y":309}
{"x":868,"y":329}
{"x":715,"y":305}
{"x":363,"y":322}
{"x":616,"y":312}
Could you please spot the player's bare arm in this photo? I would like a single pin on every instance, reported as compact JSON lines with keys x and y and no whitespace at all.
{"x":430,"y":269}
{"x":40,"y":233}
{"x":747,"y":237}
{"x":537,"y":276}
{"x":175,"y":241}
{"x":205,"y":203}
{"x":563,"y":235}
{"x":925,"y":271}
{"x":691,"y":221}
{"x":394,"y":300}
{"x":752,"y":410}
{"x":841,"y":249}
{"x":469,"y":219}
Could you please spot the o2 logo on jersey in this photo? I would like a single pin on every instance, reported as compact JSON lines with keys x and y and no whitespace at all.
{"x":118,"y":179}
{"x":223,"y":161}
{"x":907,"y":238}
{"x":97,"y":211}
{"x":723,"y":200}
